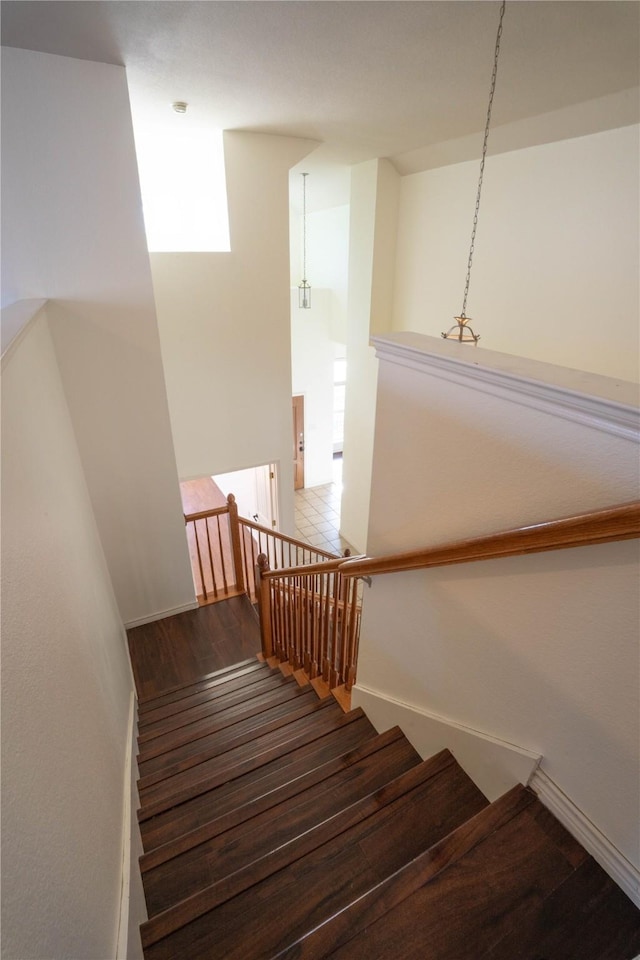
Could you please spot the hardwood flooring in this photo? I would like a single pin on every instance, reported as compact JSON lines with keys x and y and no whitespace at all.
{"x":181,"y":649}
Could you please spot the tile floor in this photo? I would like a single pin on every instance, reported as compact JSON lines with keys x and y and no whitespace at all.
{"x":318,"y":514}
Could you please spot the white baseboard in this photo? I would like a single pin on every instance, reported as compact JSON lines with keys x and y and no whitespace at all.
{"x":494,"y":765}
{"x":161,"y":614}
{"x":621,"y":870}
{"x":123,"y":918}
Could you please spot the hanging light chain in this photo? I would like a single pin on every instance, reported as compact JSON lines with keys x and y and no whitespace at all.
{"x":304,"y":227}
{"x":484,"y":154}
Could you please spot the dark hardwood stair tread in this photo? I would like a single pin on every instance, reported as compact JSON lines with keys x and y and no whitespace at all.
{"x":357,"y":845}
{"x":279,"y":767}
{"x":212,"y":691}
{"x":228,"y":725}
{"x":144,"y":702}
{"x":257,"y":803}
{"x":569,"y":922}
{"x":209,"y":707}
{"x":361,"y":912}
{"x":230,"y":740}
{"x":230,"y":766}
{"x":237,"y":847}
{"x":467,"y":908}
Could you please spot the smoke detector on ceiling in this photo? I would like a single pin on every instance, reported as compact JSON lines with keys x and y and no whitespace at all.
{"x":180,"y":106}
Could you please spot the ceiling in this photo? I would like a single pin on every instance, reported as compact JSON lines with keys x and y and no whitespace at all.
{"x":365,"y":78}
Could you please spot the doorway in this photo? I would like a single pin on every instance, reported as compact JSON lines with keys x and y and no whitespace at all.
{"x":298,"y":443}
{"x":256,"y":493}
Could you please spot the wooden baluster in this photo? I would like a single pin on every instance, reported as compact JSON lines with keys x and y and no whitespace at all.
{"x":354,"y":643}
{"x":211,"y":566}
{"x":304,"y":613}
{"x":234,"y":529}
{"x":312,"y":669}
{"x":204,"y":586}
{"x":344,"y":632}
{"x":335,"y":631}
{"x":245,"y":560}
{"x":253,"y":565}
{"x":263,"y":589}
{"x":223,"y":566}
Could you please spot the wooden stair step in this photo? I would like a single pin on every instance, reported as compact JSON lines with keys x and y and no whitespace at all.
{"x":253,"y":712}
{"x":181,"y":761}
{"x":209,"y":706}
{"x":352,"y":850}
{"x":259,"y":800}
{"x":362,"y":911}
{"x":224,"y":853}
{"x":481,"y":898}
{"x":284,"y":765}
{"x":213,"y":689}
{"x":228,"y":766}
{"x":570,"y":922}
{"x":144,"y":702}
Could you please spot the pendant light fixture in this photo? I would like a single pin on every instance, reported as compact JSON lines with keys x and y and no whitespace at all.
{"x":304,"y":290}
{"x":461,"y":331}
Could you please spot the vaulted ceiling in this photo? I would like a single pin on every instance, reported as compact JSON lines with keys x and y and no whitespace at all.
{"x":386,"y":78}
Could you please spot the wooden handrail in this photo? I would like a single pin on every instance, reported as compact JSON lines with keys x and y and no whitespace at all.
{"x":204,"y":514}
{"x":308,"y":570}
{"x":600,"y":526}
{"x":276,"y":535}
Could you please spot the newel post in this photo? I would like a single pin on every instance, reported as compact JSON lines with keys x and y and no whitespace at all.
{"x":263,"y":594}
{"x":236,"y":548}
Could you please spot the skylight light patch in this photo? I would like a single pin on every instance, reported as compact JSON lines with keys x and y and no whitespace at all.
{"x":183,"y":186}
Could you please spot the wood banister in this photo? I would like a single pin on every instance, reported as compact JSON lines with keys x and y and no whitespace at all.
{"x":327,"y":566}
{"x":600,"y":526}
{"x":204,"y":514}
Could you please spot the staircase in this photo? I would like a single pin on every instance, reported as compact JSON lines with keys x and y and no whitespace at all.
{"x":276,"y":825}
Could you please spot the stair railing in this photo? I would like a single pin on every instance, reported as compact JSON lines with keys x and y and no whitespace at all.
{"x":620,"y":522}
{"x":225,"y":546}
{"x":311,"y":615}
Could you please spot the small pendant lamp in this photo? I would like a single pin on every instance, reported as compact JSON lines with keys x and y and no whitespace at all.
{"x":304,"y":290}
{"x":461,"y":331}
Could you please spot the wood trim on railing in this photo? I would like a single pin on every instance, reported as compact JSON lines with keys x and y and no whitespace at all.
{"x":203,"y":514}
{"x":600,"y":526}
{"x":327,"y":566}
{"x":301,"y":544}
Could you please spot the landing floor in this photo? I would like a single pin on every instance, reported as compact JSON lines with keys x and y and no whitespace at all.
{"x":182,"y":648}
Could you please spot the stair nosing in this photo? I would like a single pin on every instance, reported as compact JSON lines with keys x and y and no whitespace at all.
{"x":218,"y":723}
{"x":297,"y":712}
{"x":191,"y":908}
{"x":208,"y":676}
{"x":147,"y":735}
{"x":213,"y":828}
{"x":251,"y":763}
{"x":216,"y":684}
{"x":215,"y":688}
{"x":421,"y":870}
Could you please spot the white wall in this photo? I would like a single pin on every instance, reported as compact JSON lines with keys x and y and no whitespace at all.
{"x":538,"y":651}
{"x":72,"y":231}
{"x":374,"y":189}
{"x":312,"y":355}
{"x":555,"y":273}
{"x":225,"y":328}
{"x":66,"y":683}
{"x":327,"y":261}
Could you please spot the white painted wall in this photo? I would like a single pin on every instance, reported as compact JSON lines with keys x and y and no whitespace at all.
{"x":555,"y":273}
{"x":538,"y":651}
{"x":66,"y":683}
{"x":327,"y":260}
{"x":72,"y":231}
{"x":225,"y":328}
{"x":374,"y":189}
{"x":312,"y":355}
